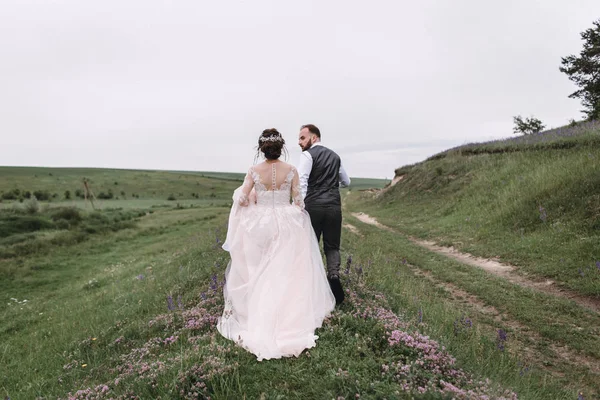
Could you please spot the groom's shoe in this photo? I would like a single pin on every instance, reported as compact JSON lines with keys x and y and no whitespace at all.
{"x":336,"y":288}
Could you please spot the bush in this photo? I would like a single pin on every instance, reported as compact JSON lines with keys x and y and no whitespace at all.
{"x":171,"y":197}
{"x":32,"y":206}
{"x":14,"y":224}
{"x":62,"y":224}
{"x":42,"y":195}
{"x":527,"y":126}
{"x":67,"y":195}
{"x":79,"y":193}
{"x":106,"y":196}
{"x":70,"y":214}
{"x":11,"y":195}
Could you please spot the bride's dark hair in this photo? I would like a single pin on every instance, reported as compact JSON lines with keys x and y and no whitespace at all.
{"x":271,"y":144}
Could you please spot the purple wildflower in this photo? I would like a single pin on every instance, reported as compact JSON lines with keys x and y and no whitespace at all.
{"x":348,"y":264}
{"x":524,"y":371}
{"x":140,"y":277}
{"x":543,"y":214}
{"x":203,"y":296}
{"x":420,"y":315}
{"x":501,"y":339}
{"x":580,"y":396}
{"x":170,"y":305}
{"x":598,"y":265}
{"x":180,"y":302}
{"x":213,"y":283}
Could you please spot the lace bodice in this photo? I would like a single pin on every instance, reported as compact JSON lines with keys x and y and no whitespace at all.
{"x":277,"y":192}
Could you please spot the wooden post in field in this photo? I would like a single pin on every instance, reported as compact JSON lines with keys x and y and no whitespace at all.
{"x":88,"y":194}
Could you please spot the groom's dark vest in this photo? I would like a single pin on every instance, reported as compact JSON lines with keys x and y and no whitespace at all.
{"x":324,"y":178}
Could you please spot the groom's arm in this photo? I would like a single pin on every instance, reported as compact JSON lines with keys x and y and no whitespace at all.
{"x":304,"y":168}
{"x":344,"y":178}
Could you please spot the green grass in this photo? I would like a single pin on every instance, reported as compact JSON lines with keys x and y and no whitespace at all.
{"x":537,"y":210}
{"x":367,"y":183}
{"x":388,"y":261}
{"x":98,"y":309}
{"x":123,"y":184}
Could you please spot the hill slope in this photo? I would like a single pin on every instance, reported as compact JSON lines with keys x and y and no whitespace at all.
{"x":531,"y":201}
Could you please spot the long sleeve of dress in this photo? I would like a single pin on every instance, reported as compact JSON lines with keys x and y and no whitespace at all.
{"x":246,"y":188}
{"x":297,"y":195}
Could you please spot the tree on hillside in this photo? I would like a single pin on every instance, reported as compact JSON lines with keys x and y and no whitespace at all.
{"x":584,"y":71}
{"x":527,"y":126}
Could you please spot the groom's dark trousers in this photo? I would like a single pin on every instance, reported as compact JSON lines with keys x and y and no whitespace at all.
{"x":324,"y":205}
{"x":327,"y":222}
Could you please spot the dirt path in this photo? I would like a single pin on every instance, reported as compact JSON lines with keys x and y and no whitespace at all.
{"x":520,"y":331}
{"x":352,"y":229}
{"x":505,"y":271}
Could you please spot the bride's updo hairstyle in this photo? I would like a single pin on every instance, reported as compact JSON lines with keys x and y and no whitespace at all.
{"x":271,"y":144}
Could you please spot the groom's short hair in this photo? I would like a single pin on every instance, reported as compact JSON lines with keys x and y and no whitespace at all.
{"x":312,"y":129}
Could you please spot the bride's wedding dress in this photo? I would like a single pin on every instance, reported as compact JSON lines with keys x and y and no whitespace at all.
{"x":276,"y":291}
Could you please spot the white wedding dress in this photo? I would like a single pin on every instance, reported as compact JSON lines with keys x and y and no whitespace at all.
{"x":276,"y":291}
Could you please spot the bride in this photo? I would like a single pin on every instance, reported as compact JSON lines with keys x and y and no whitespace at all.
{"x":276,"y":292}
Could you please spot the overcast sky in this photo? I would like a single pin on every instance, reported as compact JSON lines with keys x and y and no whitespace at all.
{"x":189,"y":85}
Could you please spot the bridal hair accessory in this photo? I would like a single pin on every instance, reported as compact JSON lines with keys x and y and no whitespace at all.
{"x":270,"y":139}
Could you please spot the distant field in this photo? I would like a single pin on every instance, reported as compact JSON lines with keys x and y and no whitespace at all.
{"x":131,"y":188}
{"x":368,"y":183}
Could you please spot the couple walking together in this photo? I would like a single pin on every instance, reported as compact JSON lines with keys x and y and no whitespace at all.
{"x":276,"y":291}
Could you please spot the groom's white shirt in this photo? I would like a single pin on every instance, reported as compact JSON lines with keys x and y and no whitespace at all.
{"x":305,"y":166}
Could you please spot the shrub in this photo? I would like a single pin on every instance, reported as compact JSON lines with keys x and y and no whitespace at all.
{"x":171,"y":197}
{"x":42,"y":195}
{"x":527,"y":126}
{"x":62,"y":224}
{"x":14,"y":224}
{"x":32,"y":206}
{"x":70,"y":214}
{"x":67,"y":195}
{"x":106,"y":196}
{"x":11,"y":195}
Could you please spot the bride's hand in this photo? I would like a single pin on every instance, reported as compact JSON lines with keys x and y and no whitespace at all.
{"x":243,"y":201}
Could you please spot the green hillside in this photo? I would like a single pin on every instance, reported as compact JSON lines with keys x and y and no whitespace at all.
{"x":532,"y":201}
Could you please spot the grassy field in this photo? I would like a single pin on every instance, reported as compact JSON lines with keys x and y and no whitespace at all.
{"x":538,"y":209}
{"x":530,"y":202}
{"x":121,"y":303}
{"x":65,"y":187}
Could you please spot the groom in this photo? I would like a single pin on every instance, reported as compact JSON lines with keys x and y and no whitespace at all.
{"x":321,"y":175}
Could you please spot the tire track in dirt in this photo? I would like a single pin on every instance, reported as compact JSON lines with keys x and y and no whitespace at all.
{"x":530,"y":353}
{"x":505,"y":271}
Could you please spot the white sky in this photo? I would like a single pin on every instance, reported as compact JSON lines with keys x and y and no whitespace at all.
{"x":189,"y":85}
